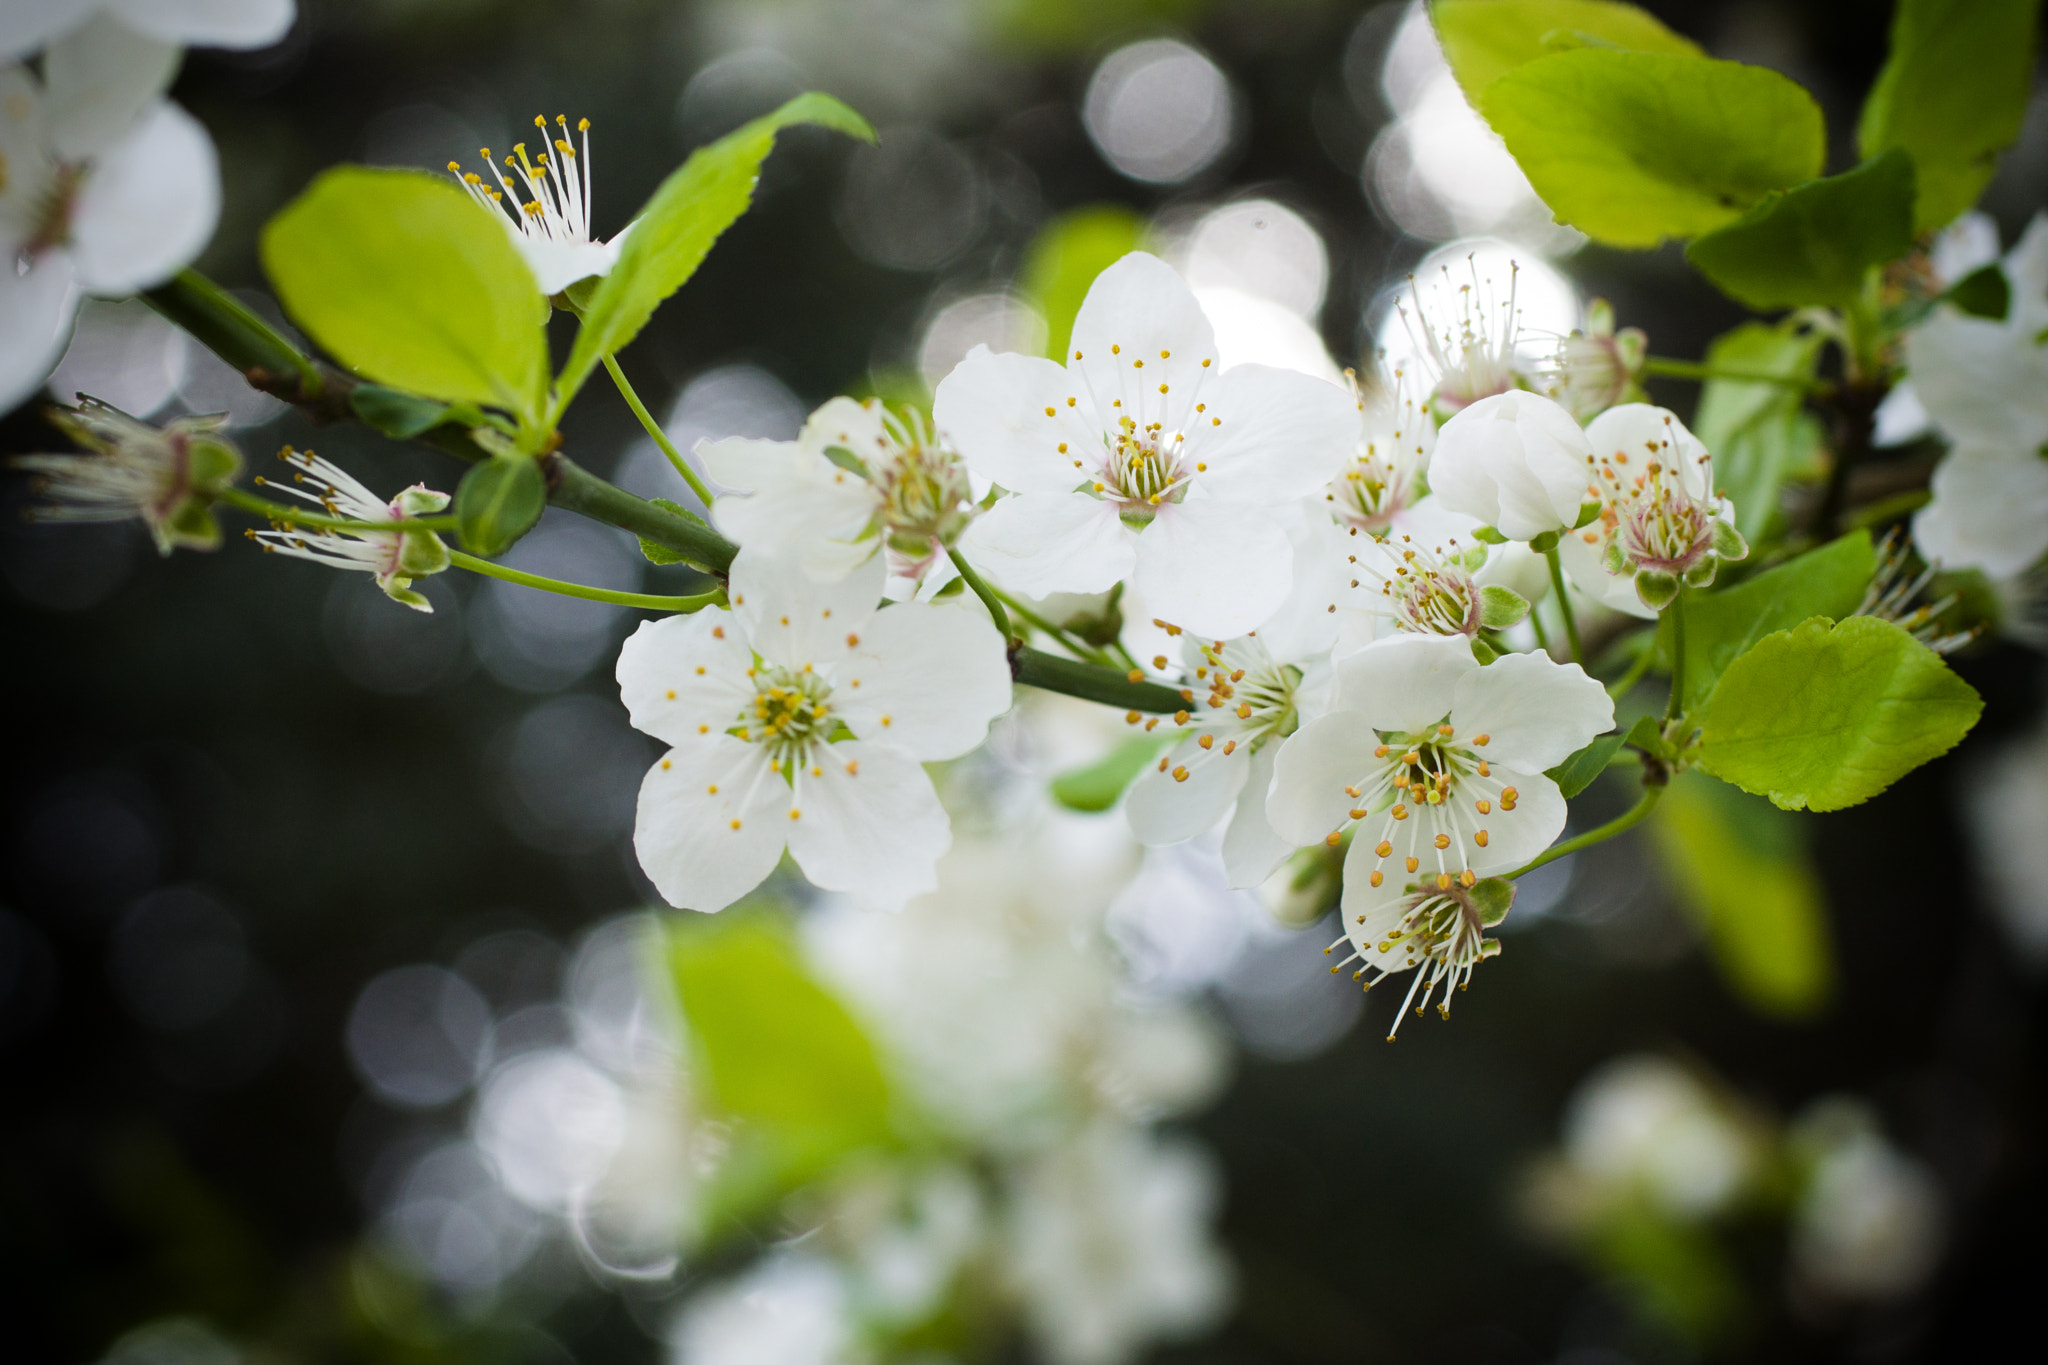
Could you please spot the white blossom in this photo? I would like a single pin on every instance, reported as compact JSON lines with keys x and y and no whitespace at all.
{"x":790,"y":1309}
{"x":1597,"y":368}
{"x":1435,"y":765}
{"x":1140,"y":459}
{"x":396,"y":557}
{"x":798,"y":719}
{"x":1379,"y":487}
{"x":858,"y":480}
{"x":167,"y":477}
{"x":107,"y":188}
{"x":1643,"y":1123}
{"x":1870,"y":1221}
{"x":26,"y":25}
{"x":1516,"y":462}
{"x":1110,"y":1247}
{"x":549,"y":216}
{"x":1467,"y":337}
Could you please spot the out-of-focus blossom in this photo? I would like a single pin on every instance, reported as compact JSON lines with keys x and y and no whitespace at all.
{"x":1869,"y":1222}
{"x":396,"y":557}
{"x":108,"y":188}
{"x":798,"y":719}
{"x":2008,"y":808}
{"x":790,"y":1309}
{"x":550,"y":220}
{"x":1466,"y":338}
{"x":28,"y":24}
{"x":857,"y":480}
{"x":1597,"y":368}
{"x":1645,"y":1125}
{"x":166,"y":476}
{"x":1141,"y":460}
{"x":1516,"y":462}
{"x":1895,"y":594}
{"x":1110,"y":1246}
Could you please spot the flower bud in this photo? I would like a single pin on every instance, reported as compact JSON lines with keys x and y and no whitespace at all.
{"x":1598,"y":368}
{"x":1516,"y":461}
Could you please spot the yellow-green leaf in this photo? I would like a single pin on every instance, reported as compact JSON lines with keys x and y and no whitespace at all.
{"x":1485,"y":39}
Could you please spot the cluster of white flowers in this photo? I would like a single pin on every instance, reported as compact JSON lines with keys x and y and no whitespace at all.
{"x":106,"y":187}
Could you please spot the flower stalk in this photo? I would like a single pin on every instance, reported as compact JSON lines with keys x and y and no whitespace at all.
{"x":645,"y":601}
{"x":660,"y":437}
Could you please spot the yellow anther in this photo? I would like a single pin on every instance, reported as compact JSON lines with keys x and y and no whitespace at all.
{"x":1377,"y":877}
{"x":1333,"y":838}
{"x":1413,"y":862}
{"x":1180,"y":774}
{"x":1480,"y":838}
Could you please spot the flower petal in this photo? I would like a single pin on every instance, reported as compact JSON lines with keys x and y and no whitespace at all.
{"x":1580,"y":554}
{"x":1252,"y":848}
{"x":1535,"y":712}
{"x":209,"y":23}
{"x":683,"y":677}
{"x":1009,"y":415}
{"x":1990,"y":511}
{"x":36,"y":312}
{"x":149,"y":206}
{"x":1163,"y":809}
{"x":797,"y":621}
{"x":1314,"y":766}
{"x":1516,"y":461}
{"x":1213,"y":568}
{"x":1404,"y":682}
{"x":1042,"y":543}
{"x":557,"y":265}
{"x":928,"y":679}
{"x":1644,"y":432}
{"x":1271,"y":436}
{"x":1984,"y":383}
{"x":710,"y":825}
{"x":868,"y":823}
{"x":27,"y":27}
{"x":790,"y":502}
{"x":1141,"y":327}
{"x":96,"y":80}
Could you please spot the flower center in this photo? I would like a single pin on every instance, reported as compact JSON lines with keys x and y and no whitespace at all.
{"x":1428,"y":806}
{"x":790,"y":713}
{"x":1428,"y":592}
{"x":556,"y":203}
{"x":922,"y":488}
{"x":49,"y":217}
{"x":1250,"y":695}
{"x":1372,"y":490}
{"x":1143,"y":469}
{"x":1440,"y":934}
{"x":1664,"y":527}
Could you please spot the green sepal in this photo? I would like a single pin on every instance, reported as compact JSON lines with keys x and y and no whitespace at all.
{"x":1472,"y":560}
{"x":1489,"y":536}
{"x":1612,"y":559}
{"x":1544,"y":542}
{"x":497,"y":502}
{"x":421,"y":554}
{"x":1589,"y":512}
{"x":1483,"y":650}
{"x":1501,"y":607}
{"x":846,"y":460}
{"x":1729,"y":543}
{"x":192,"y":526}
{"x":661,"y":554}
{"x":1492,"y":897}
{"x":1983,"y":293}
{"x":1701,"y":575}
{"x":1655,"y":588}
{"x":400,"y":591}
{"x":210,"y":465}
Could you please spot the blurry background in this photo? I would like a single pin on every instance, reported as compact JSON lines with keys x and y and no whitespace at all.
{"x":290,"y":873}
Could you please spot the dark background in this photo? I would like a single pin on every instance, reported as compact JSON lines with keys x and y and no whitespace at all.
{"x":189,"y":722}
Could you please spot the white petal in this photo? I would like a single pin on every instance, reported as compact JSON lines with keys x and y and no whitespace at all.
{"x":97,"y":79}
{"x":683,"y":677}
{"x":149,"y":205}
{"x":1042,"y":543}
{"x":1252,"y":848}
{"x":2026,"y":265}
{"x":557,"y":265}
{"x":870,"y":824}
{"x":1137,"y":308}
{"x":1582,"y":555}
{"x":1315,"y":764}
{"x":703,"y":848}
{"x":1644,"y":431}
{"x":1404,"y":682}
{"x":209,"y":23}
{"x":1213,"y":568}
{"x":928,"y":679}
{"x":36,"y":312}
{"x":1514,"y":460}
{"x":1990,"y":512}
{"x":790,"y":503}
{"x":1901,"y":418}
{"x":26,"y":25}
{"x":1535,"y":712}
{"x":846,"y":423}
{"x":1163,"y":810}
{"x":1515,"y":836}
{"x":994,"y":409}
{"x":1281,"y":436}
{"x":793,"y":619}
{"x":1304,"y":627}
{"x":1984,"y":383}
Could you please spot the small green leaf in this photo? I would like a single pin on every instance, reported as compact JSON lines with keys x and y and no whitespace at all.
{"x":400,"y":416}
{"x":1485,"y":39}
{"x":1983,"y":293}
{"x":1824,"y":718}
{"x":1634,"y":147}
{"x":1953,"y":93}
{"x":1743,"y":869}
{"x":675,"y":230}
{"x":1719,"y":627}
{"x":662,"y":554}
{"x":780,"y":1057}
{"x":1097,"y":786}
{"x":1501,"y":607}
{"x":1647,"y":734}
{"x":1576,"y":773}
{"x":1814,"y":243}
{"x":1064,"y":259}
{"x":405,"y":281}
{"x":497,"y":502}
{"x":1759,"y":431}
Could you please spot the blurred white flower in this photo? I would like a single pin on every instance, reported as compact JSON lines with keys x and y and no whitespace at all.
{"x":107,"y":189}
{"x":1140,"y":460}
{"x":2008,"y":809}
{"x":1110,"y":1246}
{"x":1596,"y":367}
{"x":167,"y":476}
{"x":790,"y":1309}
{"x":1645,"y":1124}
{"x":1869,"y":1222}
{"x":1516,"y":462}
{"x":1387,"y":474}
{"x":754,"y":700}
{"x":906,"y":1234}
{"x":550,"y":220}
{"x":26,"y":25}
{"x":396,"y":557}
{"x":1464,"y":337}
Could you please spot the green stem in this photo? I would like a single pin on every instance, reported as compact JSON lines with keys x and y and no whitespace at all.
{"x":668,"y":447}
{"x":1065,"y":638}
{"x":572,"y":486}
{"x":226,"y":326}
{"x":1536,"y":624}
{"x":1693,"y":369}
{"x":981,"y":590}
{"x":1676,"y":705}
{"x":1090,"y":682}
{"x":555,"y":585}
{"x":1600,"y":835}
{"x":288,"y":515}
{"x":1621,"y":686}
{"x":1564,"y":606}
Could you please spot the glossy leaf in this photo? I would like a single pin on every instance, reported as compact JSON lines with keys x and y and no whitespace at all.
{"x":1720,"y":626}
{"x":1822,"y":717}
{"x":1814,"y":243}
{"x":1635,"y":147}
{"x":1953,"y":93}
{"x":675,"y":230}
{"x":1759,"y":431}
{"x":404,"y":281}
{"x":1485,"y":39}
{"x":1576,"y":773}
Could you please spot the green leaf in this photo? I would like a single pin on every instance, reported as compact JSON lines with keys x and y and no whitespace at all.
{"x":1758,"y":431}
{"x":497,"y":502}
{"x":1576,"y":773}
{"x":1814,"y":243}
{"x":1485,"y":39}
{"x":1719,"y":627}
{"x":400,"y":416}
{"x":1824,"y":718}
{"x":1742,"y":867}
{"x":1634,"y":147}
{"x":1983,"y":293}
{"x":661,"y":554}
{"x":1096,"y":787}
{"x":675,"y":230}
{"x":1064,"y":259}
{"x":405,"y":281}
{"x":779,"y":1056}
{"x":1953,"y":93}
